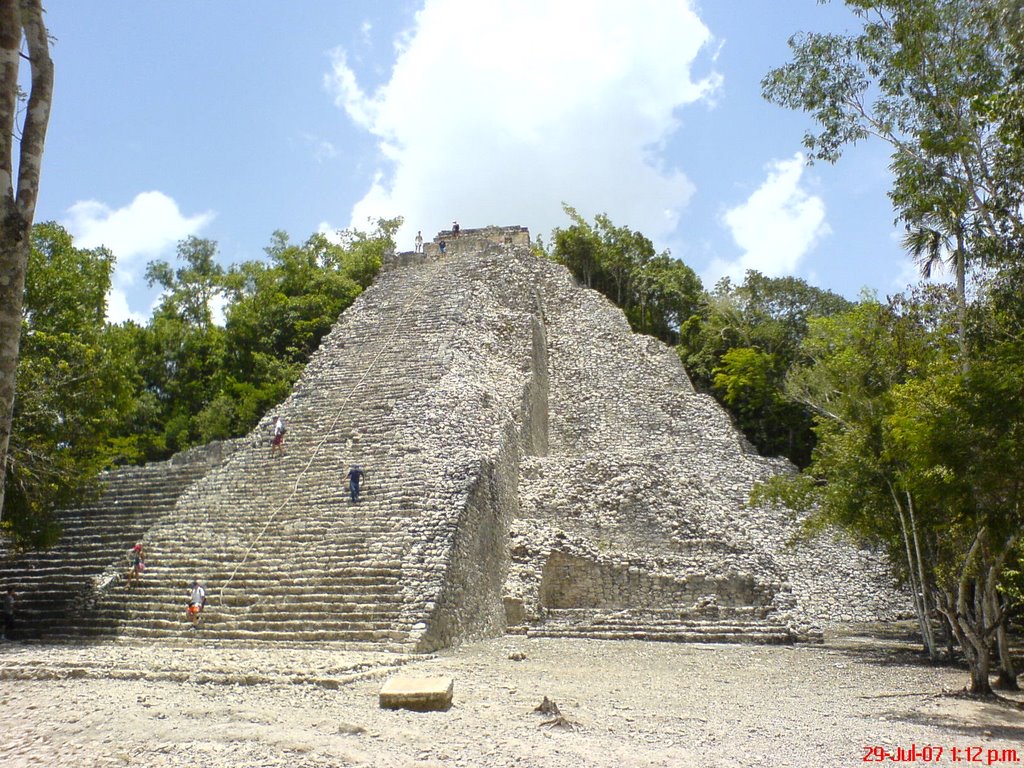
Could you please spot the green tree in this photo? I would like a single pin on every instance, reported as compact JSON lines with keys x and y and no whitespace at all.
{"x":73,"y":385}
{"x":961,"y":434}
{"x":578,"y":247}
{"x":739,"y":347}
{"x":920,"y":455}
{"x":747,"y":383}
{"x":1004,"y":107}
{"x":920,"y":75}
{"x":656,"y":292}
{"x":190,"y":290}
{"x":850,"y":364}
{"x":182,"y":350}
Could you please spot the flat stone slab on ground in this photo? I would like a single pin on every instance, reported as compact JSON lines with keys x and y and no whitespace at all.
{"x":420,"y":693}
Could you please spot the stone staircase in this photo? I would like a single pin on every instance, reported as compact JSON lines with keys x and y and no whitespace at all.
{"x":283,"y":552}
{"x":717,"y":625}
{"x":53,"y":584}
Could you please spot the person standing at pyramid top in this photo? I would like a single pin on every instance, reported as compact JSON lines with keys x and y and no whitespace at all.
{"x":419,"y":242}
{"x":455,"y":229}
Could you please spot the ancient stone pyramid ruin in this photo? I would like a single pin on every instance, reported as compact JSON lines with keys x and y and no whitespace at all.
{"x":531,"y":466}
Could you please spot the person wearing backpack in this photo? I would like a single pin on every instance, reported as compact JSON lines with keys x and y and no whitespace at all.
{"x":196,"y":602}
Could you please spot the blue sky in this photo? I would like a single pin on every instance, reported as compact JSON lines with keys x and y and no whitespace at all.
{"x":231,"y":119}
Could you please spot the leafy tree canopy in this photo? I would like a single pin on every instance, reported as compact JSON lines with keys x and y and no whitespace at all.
{"x":657,"y":293}
{"x":936,"y":80}
{"x":73,"y":385}
{"x":740,"y":345}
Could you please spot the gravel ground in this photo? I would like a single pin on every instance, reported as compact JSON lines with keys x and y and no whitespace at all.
{"x":635,"y":704}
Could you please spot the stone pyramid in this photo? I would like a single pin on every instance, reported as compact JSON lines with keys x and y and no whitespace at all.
{"x":531,"y":466}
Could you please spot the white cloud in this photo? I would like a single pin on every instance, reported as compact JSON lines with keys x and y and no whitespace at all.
{"x":331,"y":232}
{"x":775,"y":227}
{"x":118,"y":310}
{"x":145,"y":229}
{"x":497,"y":112}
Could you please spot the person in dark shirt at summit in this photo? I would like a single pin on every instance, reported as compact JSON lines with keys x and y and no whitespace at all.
{"x":455,"y":228}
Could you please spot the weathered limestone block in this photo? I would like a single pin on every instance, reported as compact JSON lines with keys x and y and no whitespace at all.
{"x":423,"y":694}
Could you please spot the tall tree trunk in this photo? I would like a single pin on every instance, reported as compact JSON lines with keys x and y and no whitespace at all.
{"x":933,"y":651}
{"x":977,"y":654}
{"x":1007,"y":679}
{"x":966,"y":607}
{"x":916,"y":593}
{"x":17,"y":207}
{"x":917,"y":588}
{"x":13,"y":258}
{"x":961,"y":297}
{"x":981,"y":663}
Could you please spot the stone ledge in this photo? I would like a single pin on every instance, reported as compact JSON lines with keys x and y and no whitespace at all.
{"x":419,"y":693}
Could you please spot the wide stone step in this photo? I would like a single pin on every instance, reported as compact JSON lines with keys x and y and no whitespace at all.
{"x":708,"y":635}
{"x":337,"y":595}
{"x":697,"y":623}
{"x":336,"y":616}
{"x":338,"y":599}
{"x":353,"y":607}
{"x":257,"y":634}
{"x":276,"y":571}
